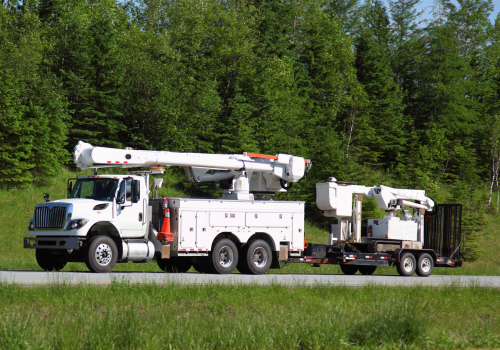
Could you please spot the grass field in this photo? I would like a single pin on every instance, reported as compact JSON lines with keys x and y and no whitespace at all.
{"x":125,"y":316}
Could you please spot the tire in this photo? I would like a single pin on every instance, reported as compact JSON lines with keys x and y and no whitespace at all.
{"x":202,"y":265}
{"x":100,"y":254}
{"x":242,"y":263}
{"x":174,"y":265}
{"x":407,"y":264}
{"x":258,"y":257}
{"x":224,"y":257}
{"x":349,"y":269}
{"x":425,"y":265}
{"x":367,"y":269}
{"x":48,"y":261}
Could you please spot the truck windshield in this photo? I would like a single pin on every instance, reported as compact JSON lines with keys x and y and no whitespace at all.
{"x":99,"y":189}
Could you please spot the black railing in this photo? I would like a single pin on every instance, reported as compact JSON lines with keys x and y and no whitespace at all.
{"x":443,"y":231}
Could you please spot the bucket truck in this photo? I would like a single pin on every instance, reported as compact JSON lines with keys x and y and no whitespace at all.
{"x":111,"y":219}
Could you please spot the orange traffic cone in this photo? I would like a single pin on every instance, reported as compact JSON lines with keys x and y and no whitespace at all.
{"x":165,"y":234}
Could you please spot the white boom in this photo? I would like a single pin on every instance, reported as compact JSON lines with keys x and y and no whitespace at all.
{"x":245,"y":172}
{"x":336,"y":200}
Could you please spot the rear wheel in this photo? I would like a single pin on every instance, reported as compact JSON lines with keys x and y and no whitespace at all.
{"x":202,"y":265}
{"x":48,"y":261}
{"x":258,"y":257}
{"x":407,"y":264}
{"x":174,"y":265}
{"x":100,"y":254}
{"x":242,"y":262}
{"x":367,"y":270}
{"x":349,"y":269}
{"x":224,"y":257}
{"x":425,"y":265}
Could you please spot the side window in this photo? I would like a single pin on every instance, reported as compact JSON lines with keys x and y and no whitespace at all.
{"x":129,"y":190}
{"x":137,"y":185}
{"x":121,"y":193}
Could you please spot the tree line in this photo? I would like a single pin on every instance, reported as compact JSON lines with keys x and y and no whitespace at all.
{"x":357,"y":87}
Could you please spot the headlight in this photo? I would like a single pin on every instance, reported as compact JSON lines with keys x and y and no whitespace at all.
{"x":31,"y":226}
{"x":76,"y":224}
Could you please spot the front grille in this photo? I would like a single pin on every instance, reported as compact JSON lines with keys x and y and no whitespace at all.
{"x":46,"y":217}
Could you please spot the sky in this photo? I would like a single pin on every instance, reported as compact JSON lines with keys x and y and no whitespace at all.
{"x":426,"y":4}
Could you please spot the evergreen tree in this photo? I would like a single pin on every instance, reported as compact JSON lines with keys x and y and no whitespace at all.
{"x":86,"y":59}
{"x":32,"y":107}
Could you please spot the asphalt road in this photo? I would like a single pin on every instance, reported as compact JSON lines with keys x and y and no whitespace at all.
{"x":32,"y":278}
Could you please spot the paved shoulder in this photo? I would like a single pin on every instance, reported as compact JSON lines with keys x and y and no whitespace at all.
{"x":73,"y":278}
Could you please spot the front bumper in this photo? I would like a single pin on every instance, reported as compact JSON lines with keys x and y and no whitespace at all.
{"x":48,"y":242}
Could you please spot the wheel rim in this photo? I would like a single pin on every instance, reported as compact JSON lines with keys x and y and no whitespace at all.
{"x":103,"y":254}
{"x":408,"y":265}
{"x":226,"y":256}
{"x":425,"y":265}
{"x":260,"y":257}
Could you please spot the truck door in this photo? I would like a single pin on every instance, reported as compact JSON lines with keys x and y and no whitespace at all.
{"x":130,"y":216}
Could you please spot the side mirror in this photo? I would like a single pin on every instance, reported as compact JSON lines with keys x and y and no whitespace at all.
{"x":135,"y":191}
{"x":46,"y":197}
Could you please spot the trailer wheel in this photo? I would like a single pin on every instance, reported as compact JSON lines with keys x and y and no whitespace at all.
{"x":100,"y":254}
{"x":407,"y":264}
{"x":174,"y":265}
{"x":224,"y":257}
{"x":48,"y":261}
{"x":349,"y":269}
{"x":367,"y":270}
{"x":257,"y":258}
{"x":425,"y":265}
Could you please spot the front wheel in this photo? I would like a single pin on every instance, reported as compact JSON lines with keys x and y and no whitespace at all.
{"x":101,"y":254}
{"x":407,"y":264}
{"x":223,"y":257}
{"x":425,"y":265}
{"x":48,"y":261}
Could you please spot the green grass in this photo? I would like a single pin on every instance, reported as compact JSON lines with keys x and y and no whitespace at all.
{"x":17,"y":205}
{"x":125,"y":316}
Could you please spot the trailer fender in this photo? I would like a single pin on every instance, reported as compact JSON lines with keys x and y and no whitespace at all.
{"x":416,"y":252}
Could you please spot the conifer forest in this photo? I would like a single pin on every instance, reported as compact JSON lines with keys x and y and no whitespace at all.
{"x":360,"y":88}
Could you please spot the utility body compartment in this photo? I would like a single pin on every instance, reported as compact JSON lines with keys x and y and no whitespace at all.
{"x":196,"y":222}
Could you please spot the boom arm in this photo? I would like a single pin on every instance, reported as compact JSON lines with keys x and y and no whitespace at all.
{"x":248,"y":172}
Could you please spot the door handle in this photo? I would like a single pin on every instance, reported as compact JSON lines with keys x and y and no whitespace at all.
{"x":140,"y":216}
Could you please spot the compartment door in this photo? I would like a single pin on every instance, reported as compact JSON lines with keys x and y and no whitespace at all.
{"x":187,"y":230}
{"x":298,"y":231}
{"x":201,"y":229}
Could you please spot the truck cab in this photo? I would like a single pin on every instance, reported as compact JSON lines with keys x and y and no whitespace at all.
{"x":114,"y":206}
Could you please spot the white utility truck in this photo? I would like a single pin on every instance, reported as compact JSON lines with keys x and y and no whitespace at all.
{"x":109,"y":219}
